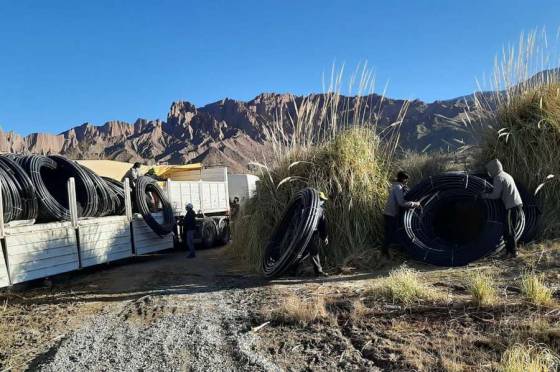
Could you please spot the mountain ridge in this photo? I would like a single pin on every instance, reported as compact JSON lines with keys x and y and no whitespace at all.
{"x":231,"y":132}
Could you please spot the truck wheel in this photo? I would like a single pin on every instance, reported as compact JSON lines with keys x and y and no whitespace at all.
{"x":225,"y":232}
{"x":209,"y":234}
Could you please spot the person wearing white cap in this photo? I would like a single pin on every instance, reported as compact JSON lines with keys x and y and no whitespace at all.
{"x":189,"y":227}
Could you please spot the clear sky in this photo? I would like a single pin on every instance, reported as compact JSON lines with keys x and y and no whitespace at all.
{"x":63,"y":63}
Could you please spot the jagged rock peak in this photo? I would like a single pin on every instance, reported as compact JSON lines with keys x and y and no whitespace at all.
{"x":179,"y":108}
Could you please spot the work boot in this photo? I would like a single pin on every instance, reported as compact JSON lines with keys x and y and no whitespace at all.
{"x":511,"y":254}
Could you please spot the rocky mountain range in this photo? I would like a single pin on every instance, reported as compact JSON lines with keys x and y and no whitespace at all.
{"x":233,"y":133}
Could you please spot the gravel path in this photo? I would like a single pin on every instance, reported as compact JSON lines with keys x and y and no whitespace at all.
{"x":202,"y":326}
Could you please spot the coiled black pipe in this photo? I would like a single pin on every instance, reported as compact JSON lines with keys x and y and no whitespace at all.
{"x":292,"y":233}
{"x":107,"y":199}
{"x":10,"y":197}
{"x":146,"y":188}
{"x":50,"y":175}
{"x":87,"y":199}
{"x":25,"y":189}
{"x":118,"y":188}
{"x":50,"y":207}
{"x":425,"y":231}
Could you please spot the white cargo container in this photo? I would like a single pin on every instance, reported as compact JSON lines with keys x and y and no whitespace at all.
{"x":242,"y":186}
{"x":207,"y":190}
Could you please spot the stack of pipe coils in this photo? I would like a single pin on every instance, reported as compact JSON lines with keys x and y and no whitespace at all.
{"x":453,"y":227}
{"x":35,"y":187}
{"x":292,"y":233}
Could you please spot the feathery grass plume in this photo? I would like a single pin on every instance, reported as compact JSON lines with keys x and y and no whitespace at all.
{"x":535,"y":290}
{"x":405,"y":286}
{"x":422,"y":165}
{"x":529,"y":358}
{"x":330,"y":142}
{"x":482,"y":288}
{"x":523,"y":118}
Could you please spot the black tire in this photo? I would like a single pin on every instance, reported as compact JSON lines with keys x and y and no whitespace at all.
{"x":209,"y":233}
{"x":225,"y":232}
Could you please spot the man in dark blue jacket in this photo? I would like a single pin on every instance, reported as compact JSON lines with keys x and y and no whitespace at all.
{"x":189,"y":227}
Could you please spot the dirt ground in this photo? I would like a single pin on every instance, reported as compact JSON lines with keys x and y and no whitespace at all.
{"x":166,"y":312}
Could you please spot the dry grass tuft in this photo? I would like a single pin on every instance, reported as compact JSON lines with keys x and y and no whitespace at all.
{"x":359,"y":310}
{"x":535,"y":290}
{"x":422,"y":165}
{"x":482,"y":288}
{"x":405,"y":286}
{"x":529,"y":358}
{"x":295,"y":310}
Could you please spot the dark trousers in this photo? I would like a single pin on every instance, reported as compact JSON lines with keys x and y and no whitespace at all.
{"x":390,"y":226}
{"x":188,"y":240}
{"x":313,"y":250}
{"x":513,"y":216}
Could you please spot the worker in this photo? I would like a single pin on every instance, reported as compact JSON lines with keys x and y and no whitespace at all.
{"x":506,"y":190}
{"x":320,"y":236}
{"x":395,"y":203}
{"x":132,"y":174}
{"x":189,"y":227}
{"x":234,"y":208}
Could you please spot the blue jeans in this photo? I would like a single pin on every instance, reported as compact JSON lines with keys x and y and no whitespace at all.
{"x":189,"y":240}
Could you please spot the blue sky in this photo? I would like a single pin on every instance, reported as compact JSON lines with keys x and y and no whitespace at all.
{"x":63,"y":63}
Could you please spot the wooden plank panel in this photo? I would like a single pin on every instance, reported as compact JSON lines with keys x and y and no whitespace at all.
{"x":146,"y":241}
{"x":104,"y":240}
{"x":4,"y":280}
{"x":23,"y":276}
{"x":41,"y":250}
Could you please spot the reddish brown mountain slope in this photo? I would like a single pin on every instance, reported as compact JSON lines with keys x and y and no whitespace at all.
{"x":228,"y":132}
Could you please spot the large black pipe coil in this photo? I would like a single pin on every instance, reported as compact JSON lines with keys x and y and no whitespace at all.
{"x":452,"y":228}
{"x":50,"y":175}
{"x":108,"y":199}
{"x":10,"y":197}
{"x":292,"y":233}
{"x":145,"y":190}
{"x":24,"y":187}
{"x":117,"y":188}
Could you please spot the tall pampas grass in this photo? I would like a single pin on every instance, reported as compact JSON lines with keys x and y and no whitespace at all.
{"x":333,"y":143}
{"x":523,"y":120}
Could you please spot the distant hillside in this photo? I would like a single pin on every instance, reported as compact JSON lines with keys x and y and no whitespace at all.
{"x":231,"y":132}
